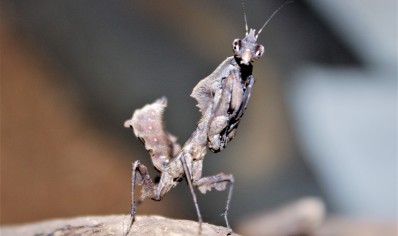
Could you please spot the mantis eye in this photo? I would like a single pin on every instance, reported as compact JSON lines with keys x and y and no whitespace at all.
{"x":259,"y":50}
{"x":236,"y":44}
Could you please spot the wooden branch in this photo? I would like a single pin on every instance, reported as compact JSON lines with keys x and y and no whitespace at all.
{"x":114,"y":225}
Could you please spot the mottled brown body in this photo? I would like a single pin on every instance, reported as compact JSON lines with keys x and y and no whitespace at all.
{"x":222,"y":98}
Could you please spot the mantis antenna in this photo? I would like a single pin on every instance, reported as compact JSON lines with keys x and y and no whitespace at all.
{"x":269,"y":18}
{"x":244,"y":15}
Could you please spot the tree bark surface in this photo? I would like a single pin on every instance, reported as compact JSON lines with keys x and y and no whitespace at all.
{"x":114,"y":225}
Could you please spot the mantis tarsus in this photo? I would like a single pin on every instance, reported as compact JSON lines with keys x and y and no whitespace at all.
{"x":222,"y":99}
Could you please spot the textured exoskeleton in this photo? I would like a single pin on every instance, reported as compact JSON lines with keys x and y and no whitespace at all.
{"x":222,"y":98}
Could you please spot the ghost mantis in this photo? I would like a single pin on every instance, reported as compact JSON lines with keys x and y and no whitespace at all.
{"x":222,"y":99}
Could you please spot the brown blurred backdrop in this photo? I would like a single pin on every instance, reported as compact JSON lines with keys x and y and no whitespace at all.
{"x":72,"y":72}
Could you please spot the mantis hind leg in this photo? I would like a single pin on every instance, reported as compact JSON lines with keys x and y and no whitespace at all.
{"x":148,"y":188}
{"x":188,"y":175}
{"x":218,"y":182}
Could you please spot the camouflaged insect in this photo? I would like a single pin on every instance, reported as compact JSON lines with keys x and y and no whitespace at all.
{"x":222,"y":99}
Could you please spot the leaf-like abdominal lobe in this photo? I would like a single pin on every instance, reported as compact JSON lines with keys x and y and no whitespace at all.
{"x":148,"y":126}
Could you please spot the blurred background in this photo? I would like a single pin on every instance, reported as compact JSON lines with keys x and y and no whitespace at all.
{"x":322,"y":120}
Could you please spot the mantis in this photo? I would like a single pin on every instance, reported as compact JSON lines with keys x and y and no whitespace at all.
{"x":222,"y":99}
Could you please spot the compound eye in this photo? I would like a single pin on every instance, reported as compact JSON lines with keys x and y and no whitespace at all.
{"x":259,"y":50}
{"x":236,"y":44}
